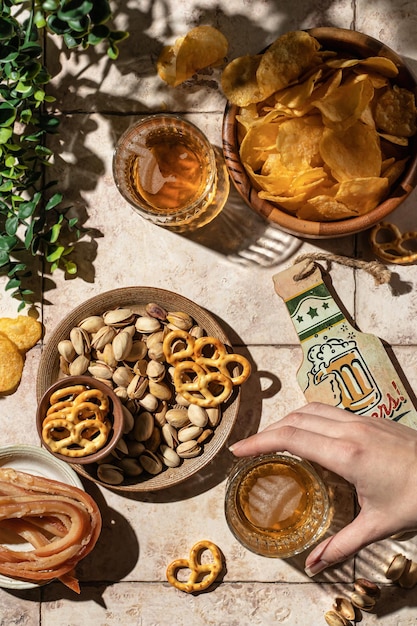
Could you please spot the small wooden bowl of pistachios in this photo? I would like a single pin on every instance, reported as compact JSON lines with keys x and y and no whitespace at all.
{"x":118,"y":338}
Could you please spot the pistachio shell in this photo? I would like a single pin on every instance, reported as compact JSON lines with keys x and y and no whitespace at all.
{"x":155,"y":370}
{"x":131,"y":467}
{"x":150,"y":462}
{"x":362,"y":585}
{"x":122,"y":376}
{"x":408,"y":578}
{"x":160,"y":412}
{"x":149,"y":402}
{"x":205,"y":435}
{"x":80,"y":340}
{"x":107,"y":355}
{"x":104,"y":335}
{"x":79,"y":365}
{"x":137,"y":352}
{"x":189,"y":432}
{"x":143,"y":426}
{"x":92,"y":324}
{"x":196,"y":331}
{"x":396,"y":567}
{"x":213,"y":414}
{"x":169,"y":457}
{"x":122,"y":345}
{"x":180,"y":320}
{"x":128,"y":420}
{"x":188,"y":449}
{"x":169,"y":435}
{"x":100,"y":370}
{"x":155,"y":310}
{"x":135,"y":448}
{"x":335,"y":619}
{"x":147,"y":324}
{"x":345,"y":608}
{"x":156,"y":352}
{"x":362,"y":601}
{"x":110,"y":474}
{"x":177,"y":417}
{"x":118,"y":317}
{"x":160,"y":390}
{"x":137,"y":387}
{"x":66,"y":350}
{"x":197,"y":415}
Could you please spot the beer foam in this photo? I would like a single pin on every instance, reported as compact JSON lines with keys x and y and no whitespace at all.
{"x":322,"y":354}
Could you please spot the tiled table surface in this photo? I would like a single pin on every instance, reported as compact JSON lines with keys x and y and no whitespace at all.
{"x":226,"y":268}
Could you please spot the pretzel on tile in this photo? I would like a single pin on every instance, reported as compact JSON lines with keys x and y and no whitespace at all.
{"x":199,"y":386}
{"x":220,"y":359}
{"x":202,"y":575}
{"x":83,"y":438}
{"x":393,"y":250}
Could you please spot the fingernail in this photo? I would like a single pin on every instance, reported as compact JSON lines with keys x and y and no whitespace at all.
{"x":315,"y":568}
{"x":235,"y":446}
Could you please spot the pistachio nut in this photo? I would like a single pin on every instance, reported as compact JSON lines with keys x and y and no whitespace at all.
{"x":66,"y":350}
{"x":362,"y":585}
{"x":137,"y":351}
{"x":169,"y":435}
{"x":147,"y":325}
{"x":143,"y":426}
{"x":189,"y":432}
{"x":110,"y":474}
{"x":123,"y":376}
{"x":160,"y":412}
{"x":122,"y":345}
{"x":408,"y":578}
{"x":155,"y":370}
{"x":179,"y":319}
{"x":197,"y":415}
{"x":79,"y":365}
{"x":137,"y":387}
{"x":344,"y":607}
{"x":155,"y":310}
{"x":100,"y":370}
{"x":160,"y":390}
{"x":104,"y":335}
{"x":362,"y":601}
{"x":135,"y":448}
{"x":196,"y":331}
{"x":177,"y":417}
{"x":396,"y":567}
{"x":150,"y":462}
{"x":92,"y":324}
{"x":213,"y":414}
{"x":118,"y":317}
{"x":107,"y":355}
{"x":169,"y":457}
{"x":188,"y":449}
{"x":80,"y":339}
{"x":335,"y":619}
{"x":130,"y":467}
{"x":149,"y":402}
{"x":128,"y":420}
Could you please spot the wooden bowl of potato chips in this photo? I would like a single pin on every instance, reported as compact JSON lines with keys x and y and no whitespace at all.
{"x":319,"y":133}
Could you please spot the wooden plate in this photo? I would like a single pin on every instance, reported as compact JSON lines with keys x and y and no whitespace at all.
{"x":136,"y":298}
{"x":341,"y":40}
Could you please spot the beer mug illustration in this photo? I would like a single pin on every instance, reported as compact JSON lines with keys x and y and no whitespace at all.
{"x":358,"y":389}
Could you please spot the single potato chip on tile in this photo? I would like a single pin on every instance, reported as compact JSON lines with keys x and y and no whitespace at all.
{"x":23,"y":331}
{"x":11,"y":365}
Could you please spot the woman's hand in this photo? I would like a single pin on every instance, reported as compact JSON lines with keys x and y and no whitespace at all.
{"x":378,"y":456}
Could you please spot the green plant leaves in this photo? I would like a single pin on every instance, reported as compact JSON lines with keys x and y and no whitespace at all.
{"x":32,"y":218}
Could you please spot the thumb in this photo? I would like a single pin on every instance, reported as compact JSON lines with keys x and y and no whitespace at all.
{"x":341,"y":546}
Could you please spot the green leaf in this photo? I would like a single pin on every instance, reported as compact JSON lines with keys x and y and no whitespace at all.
{"x":13,"y":283}
{"x":55,"y":232}
{"x":5,"y":134}
{"x":7,"y":114}
{"x":50,"y":5}
{"x":11,"y":225}
{"x":71,"y":267}
{"x":6,"y":29}
{"x":56,"y":254}
{"x":53,"y":201}
{"x":4,"y":257}
{"x":100,"y":12}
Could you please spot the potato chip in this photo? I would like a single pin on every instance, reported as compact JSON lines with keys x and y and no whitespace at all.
{"x":352,"y":153}
{"x":298,"y":154}
{"x":325,"y":209}
{"x":11,"y":365}
{"x":202,"y":47}
{"x":346,"y":104}
{"x":395,"y":112}
{"x":239,"y":82}
{"x":23,"y":331}
{"x":362,"y":194}
{"x":285,"y":60}
{"x":258,"y":142}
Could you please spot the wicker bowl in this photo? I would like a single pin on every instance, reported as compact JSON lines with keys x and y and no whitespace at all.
{"x":136,"y":298}
{"x":339,"y":40}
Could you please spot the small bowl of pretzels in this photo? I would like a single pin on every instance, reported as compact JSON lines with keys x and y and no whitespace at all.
{"x":79,"y":419}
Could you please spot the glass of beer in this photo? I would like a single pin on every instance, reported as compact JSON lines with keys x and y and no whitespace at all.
{"x":276,"y":505}
{"x":166,"y":168}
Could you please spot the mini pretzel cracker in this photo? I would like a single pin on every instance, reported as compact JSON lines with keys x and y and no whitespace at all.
{"x":202,"y":575}
{"x":203,"y":365}
{"x":392,"y":249}
{"x":198,"y":386}
{"x":96,"y":430}
{"x":75,"y":424}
